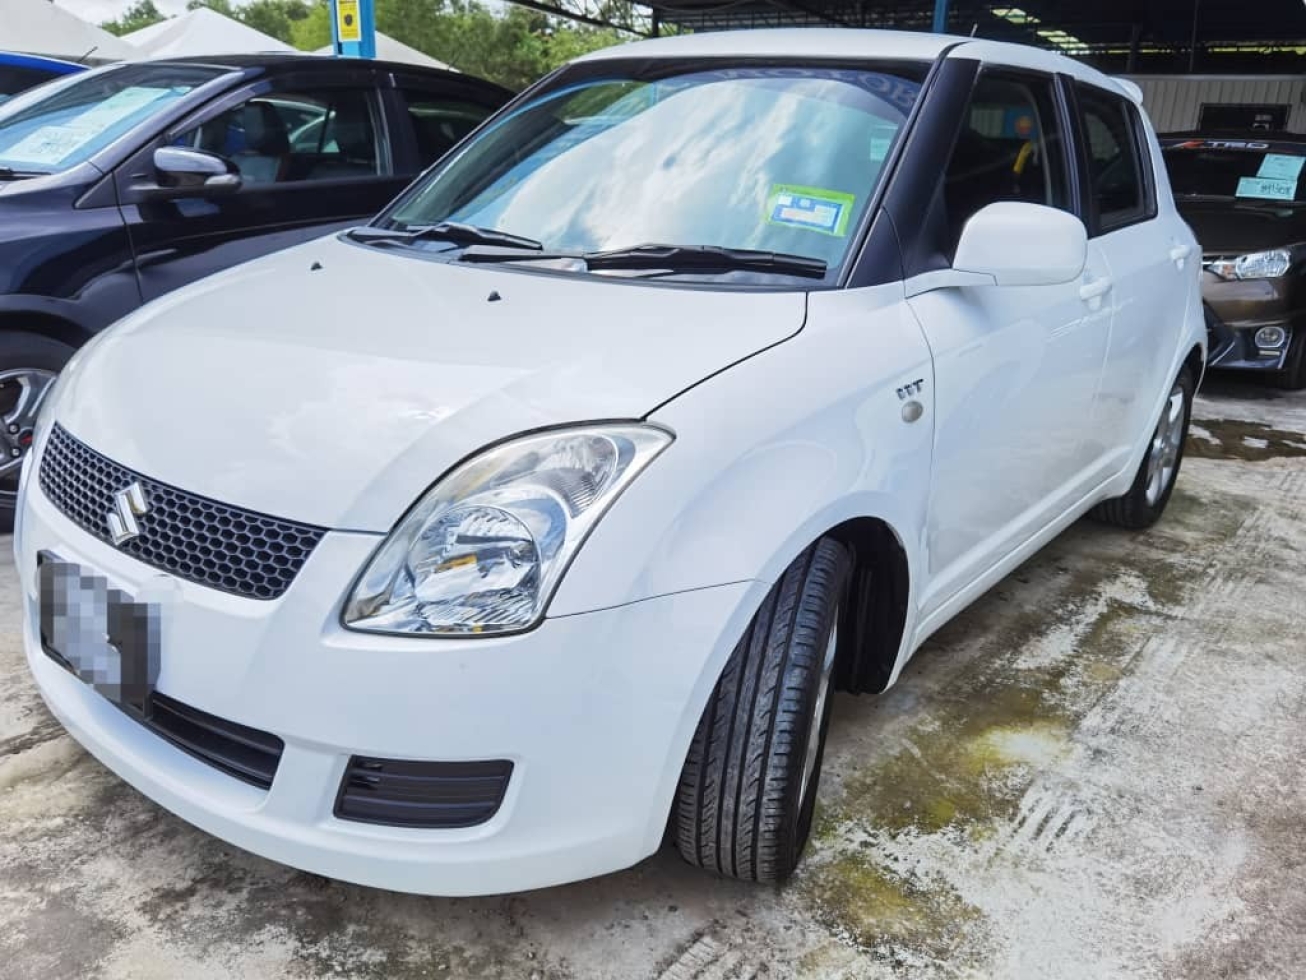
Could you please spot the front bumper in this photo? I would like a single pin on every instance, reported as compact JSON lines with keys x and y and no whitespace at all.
{"x":1236,"y":310}
{"x":595,"y":711}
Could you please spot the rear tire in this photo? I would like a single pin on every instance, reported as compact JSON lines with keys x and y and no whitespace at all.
{"x":1143,"y":505}
{"x":744,"y":804}
{"x":25,"y":360}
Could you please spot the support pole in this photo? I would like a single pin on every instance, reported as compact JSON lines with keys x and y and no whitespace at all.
{"x":353,"y":28}
{"x":1192,"y":46}
{"x":940,"y":16}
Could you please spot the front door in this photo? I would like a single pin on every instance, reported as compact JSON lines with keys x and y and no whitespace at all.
{"x":1016,"y":368}
{"x":311,"y":158}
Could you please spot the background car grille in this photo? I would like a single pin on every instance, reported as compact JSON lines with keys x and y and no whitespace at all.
{"x":194,"y":538}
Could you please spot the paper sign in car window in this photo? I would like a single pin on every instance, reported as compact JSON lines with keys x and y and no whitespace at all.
{"x":51,"y":145}
{"x":813,"y":208}
{"x":1281,"y":166}
{"x":1266,"y":189}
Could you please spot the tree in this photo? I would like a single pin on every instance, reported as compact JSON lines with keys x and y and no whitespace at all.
{"x":140,"y":14}
{"x":513,"y":46}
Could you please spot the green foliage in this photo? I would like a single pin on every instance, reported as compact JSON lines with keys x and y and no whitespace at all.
{"x":140,"y":14}
{"x":513,"y":47}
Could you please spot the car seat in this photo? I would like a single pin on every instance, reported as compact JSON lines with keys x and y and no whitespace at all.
{"x":266,"y":153}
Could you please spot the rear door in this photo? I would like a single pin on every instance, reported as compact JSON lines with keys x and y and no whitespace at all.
{"x":312,"y":152}
{"x":1016,"y":368}
{"x":1151,"y":269}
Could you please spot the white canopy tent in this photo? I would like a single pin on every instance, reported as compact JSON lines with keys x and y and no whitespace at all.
{"x":388,"y":49}
{"x":199,"y":32}
{"x":40,"y":27}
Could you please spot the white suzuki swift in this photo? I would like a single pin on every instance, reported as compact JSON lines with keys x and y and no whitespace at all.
{"x":467,"y":551}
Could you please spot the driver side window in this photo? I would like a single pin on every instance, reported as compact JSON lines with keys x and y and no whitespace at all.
{"x":284,"y":137}
{"x":1010,"y":149}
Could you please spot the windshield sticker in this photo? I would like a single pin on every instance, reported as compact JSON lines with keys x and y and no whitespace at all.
{"x":1280,"y":166}
{"x":813,"y":208}
{"x":1266,"y":188}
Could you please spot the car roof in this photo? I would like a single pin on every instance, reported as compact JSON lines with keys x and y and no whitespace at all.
{"x":301,"y":60}
{"x":15,"y":59}
{"x":853,"y":44}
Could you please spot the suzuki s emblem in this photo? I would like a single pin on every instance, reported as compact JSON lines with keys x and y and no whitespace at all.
{"x":129,"y":503}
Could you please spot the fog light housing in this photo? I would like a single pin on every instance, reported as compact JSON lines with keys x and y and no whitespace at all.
{"x":1271,"y":338}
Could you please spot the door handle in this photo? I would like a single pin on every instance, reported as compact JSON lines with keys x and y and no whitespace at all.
{"x":1095,"y":288}
{"x":1179,"y":253}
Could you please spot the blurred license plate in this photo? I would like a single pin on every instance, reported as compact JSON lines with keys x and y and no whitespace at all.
{"x":99,"y":633}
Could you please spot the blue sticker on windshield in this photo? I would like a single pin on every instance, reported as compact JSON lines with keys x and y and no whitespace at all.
{"x":1281,"y":166}
{"x":813,"y":208}
{"x":1266,"y":189}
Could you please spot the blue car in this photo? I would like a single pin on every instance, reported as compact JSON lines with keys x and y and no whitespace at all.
{"x":22,"y":71}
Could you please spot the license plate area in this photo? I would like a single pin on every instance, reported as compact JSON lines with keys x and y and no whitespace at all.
{"x":98,"y":633}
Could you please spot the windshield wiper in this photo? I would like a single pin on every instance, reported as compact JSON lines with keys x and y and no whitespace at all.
{"x":8,"y":173}
{"x":446,"y":231}
{"x":676,"y":258}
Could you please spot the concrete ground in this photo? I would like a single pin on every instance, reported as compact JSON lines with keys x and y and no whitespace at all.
{"x":1095,"y":772}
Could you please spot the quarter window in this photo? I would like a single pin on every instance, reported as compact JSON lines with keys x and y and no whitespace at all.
{"x":283,"y":137}
{"x":1010,"y":149}
{"x":1119,"y":192}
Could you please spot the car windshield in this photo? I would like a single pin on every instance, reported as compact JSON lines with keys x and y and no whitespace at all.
{"x":65,"y":123}
{"x":776,"y":159}
{"x":1250,"y":170}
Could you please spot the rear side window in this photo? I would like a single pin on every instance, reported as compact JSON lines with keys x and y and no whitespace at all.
{"x":439,"y":123}
{"x":1120,"y":193}
{"x":1010,"y":148}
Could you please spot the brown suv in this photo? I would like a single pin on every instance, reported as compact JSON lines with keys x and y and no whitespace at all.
{"x":1244,"y":195}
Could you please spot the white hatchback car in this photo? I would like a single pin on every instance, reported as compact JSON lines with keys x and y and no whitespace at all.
{"x":464,"y":552}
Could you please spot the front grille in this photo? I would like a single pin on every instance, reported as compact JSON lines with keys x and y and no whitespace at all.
{"x":193,"y":537}
{"x":402,"y":793}
{"x":246,"y":753}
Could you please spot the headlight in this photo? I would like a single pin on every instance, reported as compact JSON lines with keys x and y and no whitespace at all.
{"x":483,"y":550}
{"x":1255,"y":265}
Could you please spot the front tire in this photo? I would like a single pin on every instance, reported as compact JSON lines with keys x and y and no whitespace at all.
{"x":28,"y":366}
{"x":744,"y":804}
{"x":1143,"y":505}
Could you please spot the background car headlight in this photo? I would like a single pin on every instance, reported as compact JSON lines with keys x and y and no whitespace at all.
{"x":1255,"y":265}
{"x":483,"y":550}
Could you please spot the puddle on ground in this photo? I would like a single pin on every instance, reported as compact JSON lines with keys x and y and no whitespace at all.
{"x":1044,"y":647}
{"x":1252,"y":442}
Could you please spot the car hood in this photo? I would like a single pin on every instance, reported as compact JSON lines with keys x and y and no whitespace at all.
{"x":1229,"y":227}
{"x":333,"y":383}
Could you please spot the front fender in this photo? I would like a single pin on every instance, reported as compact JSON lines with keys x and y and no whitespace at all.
{"x":769,"y":455}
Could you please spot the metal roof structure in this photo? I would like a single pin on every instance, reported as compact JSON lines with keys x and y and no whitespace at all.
{"x":1116,"y":35}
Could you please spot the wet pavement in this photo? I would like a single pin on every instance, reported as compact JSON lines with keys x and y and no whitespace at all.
{"x":1094,"y":772}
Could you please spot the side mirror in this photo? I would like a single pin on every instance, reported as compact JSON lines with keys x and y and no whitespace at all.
{"x":1020,"y":244}
{"x":183,"y":172}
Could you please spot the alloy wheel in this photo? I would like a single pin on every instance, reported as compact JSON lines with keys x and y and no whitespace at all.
{"x":22,"y":393}
{"x":1167,"y":441}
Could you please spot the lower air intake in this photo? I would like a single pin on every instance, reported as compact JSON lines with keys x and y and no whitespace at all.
{"x":403,"y":793}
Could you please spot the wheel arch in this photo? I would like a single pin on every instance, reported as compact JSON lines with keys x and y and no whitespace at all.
{"x":1196,"y":363}
{"x":43,"y":324}
{"x":874,"y":620}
